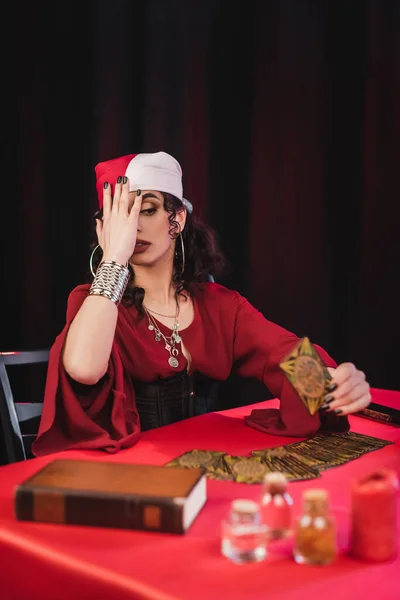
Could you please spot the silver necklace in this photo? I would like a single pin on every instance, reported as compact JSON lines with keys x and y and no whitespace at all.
{"x":169,"y":341}
{"x":159,"y":314}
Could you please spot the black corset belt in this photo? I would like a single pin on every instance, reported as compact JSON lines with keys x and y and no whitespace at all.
{"x":165,"y":401}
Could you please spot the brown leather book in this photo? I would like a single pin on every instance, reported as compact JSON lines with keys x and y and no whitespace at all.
{"x":109,"y":494}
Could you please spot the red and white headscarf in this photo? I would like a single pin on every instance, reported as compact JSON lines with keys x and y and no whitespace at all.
{"x":147,"y":171}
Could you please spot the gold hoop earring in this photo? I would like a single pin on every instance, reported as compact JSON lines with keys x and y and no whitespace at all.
{"x":91,"y":260}
{"x":183,"y":252}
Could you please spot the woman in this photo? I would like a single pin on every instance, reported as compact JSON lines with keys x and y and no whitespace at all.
{"x":145,"y":343}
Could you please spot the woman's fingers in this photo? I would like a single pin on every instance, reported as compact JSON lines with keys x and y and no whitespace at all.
{"x":124,"y":197}
{"x":344,"y":403}
{"x":136,"y":207}
{"x":118,"y":230}
{"x":343,"y":373}
{"x":107,"y":200}
{"x":344,"y":389}
{"x":117,"y":195}
{"x":352,"y":407}
{"x":352,"y":391}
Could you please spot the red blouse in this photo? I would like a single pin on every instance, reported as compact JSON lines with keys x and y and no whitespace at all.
{"x":227,"y":334}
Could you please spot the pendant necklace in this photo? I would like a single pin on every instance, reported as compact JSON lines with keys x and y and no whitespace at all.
{"x":169,"y":341}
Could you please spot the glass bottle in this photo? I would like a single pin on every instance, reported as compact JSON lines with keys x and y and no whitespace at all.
{"x":243,"y":533}
{"x":276,"y":506}
{"x":315,"y":532}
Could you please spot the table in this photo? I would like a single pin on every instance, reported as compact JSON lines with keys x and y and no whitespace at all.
{"x":44,"y":561}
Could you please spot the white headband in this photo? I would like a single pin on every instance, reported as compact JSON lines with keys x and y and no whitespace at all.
{"x":157,"y":171}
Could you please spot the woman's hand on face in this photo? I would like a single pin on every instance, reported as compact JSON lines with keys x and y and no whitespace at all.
{"x":117,"y":232}
{"x":352,"y":391}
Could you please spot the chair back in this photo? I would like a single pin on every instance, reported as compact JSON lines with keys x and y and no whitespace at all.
{"x":19,"y":419}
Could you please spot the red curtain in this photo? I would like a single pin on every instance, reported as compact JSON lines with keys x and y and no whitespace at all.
{"x":285,"y":118}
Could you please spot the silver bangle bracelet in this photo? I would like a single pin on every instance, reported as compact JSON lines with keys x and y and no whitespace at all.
{"x":110,"y":281}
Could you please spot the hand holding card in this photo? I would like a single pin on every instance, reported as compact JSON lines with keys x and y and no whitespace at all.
{"x":308,"y":374}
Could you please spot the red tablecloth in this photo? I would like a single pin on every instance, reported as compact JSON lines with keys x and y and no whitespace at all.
{"x":57,"y":562}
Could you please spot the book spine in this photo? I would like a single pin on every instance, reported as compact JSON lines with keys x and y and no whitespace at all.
{"x":121,"y":512}
{"x":378,"y":415}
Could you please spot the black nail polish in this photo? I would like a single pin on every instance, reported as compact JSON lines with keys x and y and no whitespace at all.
{"x":138,"y":192}
{"x":332,"y":387}
{"x":124,"y":180}
{"x":328,"y":399}
{"x":105,"y":185}
{"x":338,"y":411}
{"x":119,"y":179}
{"x":324,"y":407}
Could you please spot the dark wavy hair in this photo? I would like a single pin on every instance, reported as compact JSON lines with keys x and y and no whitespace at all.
{"x":203,"y":257}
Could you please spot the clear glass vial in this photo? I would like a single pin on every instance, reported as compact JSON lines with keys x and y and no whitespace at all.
{"x":244,"y":536}
{"x":276,"y":506}
{"x":315,"y":532}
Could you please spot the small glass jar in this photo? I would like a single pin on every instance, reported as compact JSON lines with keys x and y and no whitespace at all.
{"x":315,"y":532}
{"x":244,"y":536}
{"x":276,"y":506}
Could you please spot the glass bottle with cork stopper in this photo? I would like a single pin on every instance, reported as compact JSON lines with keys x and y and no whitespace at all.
{"x":243,"y":533}
{"x":315,"y":532}
{"x":276,"y":506}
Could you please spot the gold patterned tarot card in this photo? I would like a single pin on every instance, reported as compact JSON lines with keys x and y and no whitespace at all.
{"x":220,"y":469}
{"x":360,"y":440}
{"x":316,"y":453}
{"x":291,"y":465}
{"x":221,"y":473}
{"x":308,"y":374}
{"x":208,"y":460}
{"x":331,"y":450}
{"x":246,"y":469}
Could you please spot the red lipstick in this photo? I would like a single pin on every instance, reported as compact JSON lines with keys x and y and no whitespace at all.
{"x":141,"y":246}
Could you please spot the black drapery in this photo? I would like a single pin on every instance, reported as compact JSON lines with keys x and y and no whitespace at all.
{"x":285,"y":116}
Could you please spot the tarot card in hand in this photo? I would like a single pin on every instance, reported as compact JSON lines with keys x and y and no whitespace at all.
{"x":308,"y":374}
{"x":209,"y":460}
